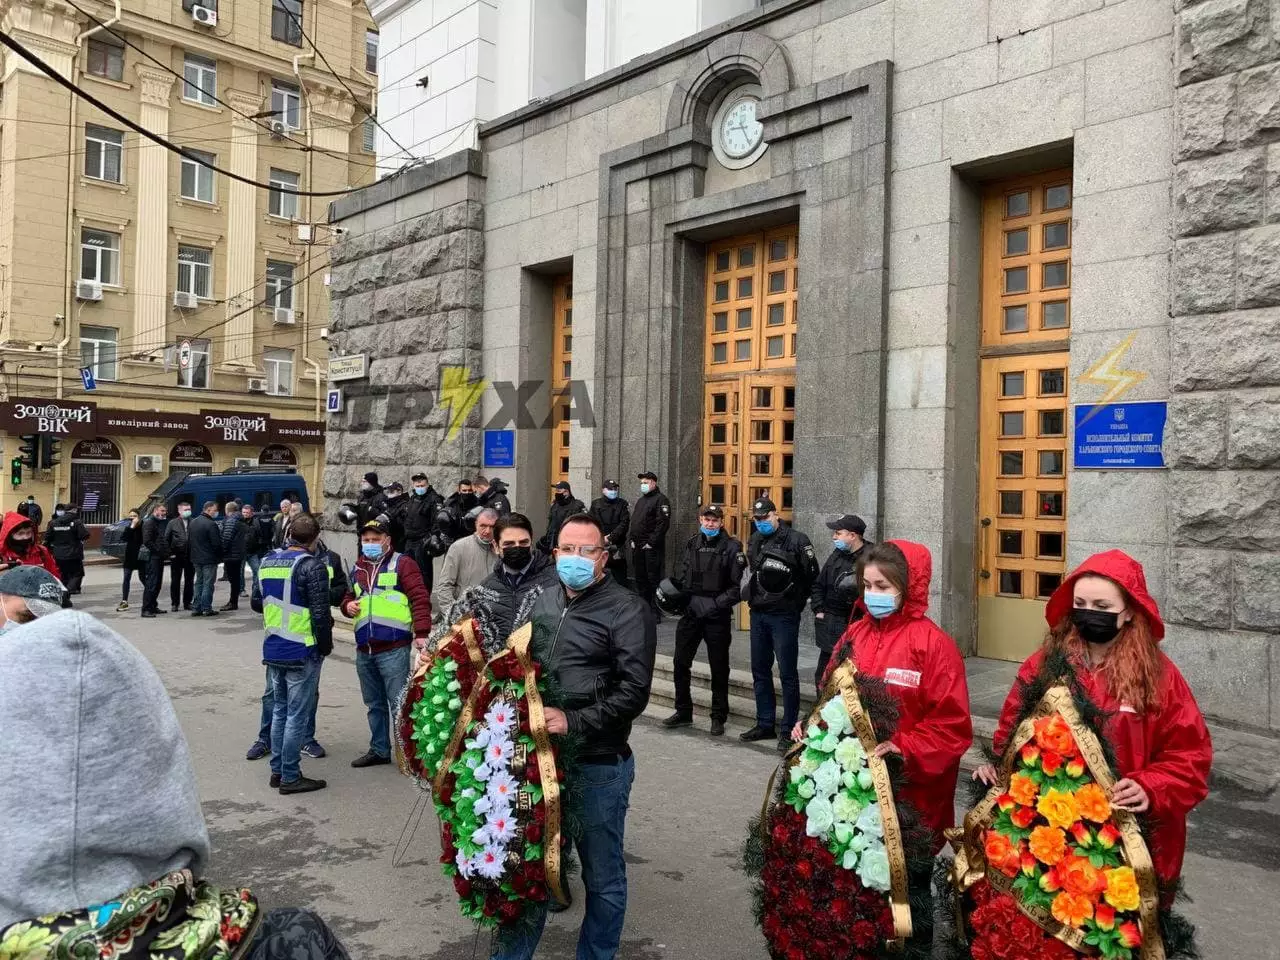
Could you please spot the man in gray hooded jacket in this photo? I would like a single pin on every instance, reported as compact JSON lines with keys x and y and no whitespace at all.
{"x":91,"y":742}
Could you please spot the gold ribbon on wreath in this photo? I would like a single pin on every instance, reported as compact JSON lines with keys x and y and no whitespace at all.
{"x":843,"y":680}
{"x":971,"y":863}
{"x":466,"y":631}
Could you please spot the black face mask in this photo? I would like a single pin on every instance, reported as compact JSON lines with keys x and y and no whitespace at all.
{"x":517,"y":558}
{"x":467,"y":500}
{"x":1096,"y":626}
{"x":562,"y":497}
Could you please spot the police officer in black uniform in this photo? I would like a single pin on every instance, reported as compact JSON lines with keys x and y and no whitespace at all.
{"x":648,"y":538}
{"x":782,"y":571}
{"x":613,"y":513}
{"x":709,"y":574}
{"x":836,"y":588}
{"x":563,"y":506}
{"x":420,"y":510}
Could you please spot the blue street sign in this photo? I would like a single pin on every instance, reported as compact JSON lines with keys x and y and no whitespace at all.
{"x":86,"y":375}
{"x":333,"y":400}
{"x":499,"y":448}
{"x":1120,"y":436}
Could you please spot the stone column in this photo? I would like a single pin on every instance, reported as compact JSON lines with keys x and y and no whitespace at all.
{"x":151,"y":250}
{"x":243,"y":291}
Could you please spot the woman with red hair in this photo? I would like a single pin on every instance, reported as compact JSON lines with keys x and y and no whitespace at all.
{"x":1108,"y":627}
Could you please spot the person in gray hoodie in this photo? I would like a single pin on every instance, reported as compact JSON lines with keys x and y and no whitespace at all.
{"x":118,"y":851}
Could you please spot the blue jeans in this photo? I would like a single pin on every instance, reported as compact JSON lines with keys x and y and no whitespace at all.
{"x":293,"y":688}
{"x":206,"y":577}
{"x":269,"y":709}
{"x":606,"y":794}
{"x":382,"y":680}
{"x":254,"y":561}
{"x":775,"y":634}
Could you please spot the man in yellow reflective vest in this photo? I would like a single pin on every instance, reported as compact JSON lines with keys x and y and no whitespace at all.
{"x":297,"y":636}
{"x":391,"y":607}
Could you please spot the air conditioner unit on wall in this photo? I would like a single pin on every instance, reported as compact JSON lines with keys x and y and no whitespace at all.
{"x":88,"y":290}
{"x":204,"y":16}
{"x":184,"y":300}
{"x":283,"y":315}
{"x":245,"y":462}
{"x":257,"y":386}
{"x":147,"y":463}
{"x":278,"y":130}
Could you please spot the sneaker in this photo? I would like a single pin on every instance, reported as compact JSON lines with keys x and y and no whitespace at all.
{"x":257,"y":751}
{"x":274,"y":781}
{"x":757,"y":733}
{"x":122,"y":606}
{"x":370,"y":759}
{"x":313,"y":750}
{"x":717,"y":728}
{"x":302,"y":785}
{"x":677,"y":720}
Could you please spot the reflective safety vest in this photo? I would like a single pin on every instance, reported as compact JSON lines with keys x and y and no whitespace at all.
{"x":287,"y":625}
{"x":383,"y":614}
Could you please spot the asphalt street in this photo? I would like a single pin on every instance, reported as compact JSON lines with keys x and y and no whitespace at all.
{"x":335,"y":850}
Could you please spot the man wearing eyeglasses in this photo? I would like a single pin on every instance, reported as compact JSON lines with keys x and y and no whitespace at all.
{"x":603,"y":643}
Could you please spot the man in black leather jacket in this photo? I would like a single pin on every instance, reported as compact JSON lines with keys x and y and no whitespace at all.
{"x":563,"y":506}
{"x":612,"y":511}
{"x":421,"y":508}
{"x":601,"y":652}
{"x":519,"y":577}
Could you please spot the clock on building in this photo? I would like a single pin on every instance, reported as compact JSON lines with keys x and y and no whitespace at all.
{"x":737,"y":137}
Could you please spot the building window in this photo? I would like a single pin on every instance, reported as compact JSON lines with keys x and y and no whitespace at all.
{"x":279,"y":202}
{"x":370,"y":135}
{"x":197,"y":176}
{"x":106,"y":58}
{"x":199,"y":80}
{"x":286,"y":104}
{"x":195,"y":271}
{"x":371,"y":51}
{"x":98,"y":351}
{"x":188,"y":5}
{"x":100,"y":256}
{"x":195,"y":375}
{"x":286,"y":21}
{"x":279,"y":284}
{"x":103,"y":153}
{"x":279,"y":368}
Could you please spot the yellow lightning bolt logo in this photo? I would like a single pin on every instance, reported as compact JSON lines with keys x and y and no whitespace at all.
{"x":1108,"y":373}
{"x":459,"y":393}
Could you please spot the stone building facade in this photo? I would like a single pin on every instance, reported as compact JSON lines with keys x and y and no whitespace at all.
{"x":989,"y":218}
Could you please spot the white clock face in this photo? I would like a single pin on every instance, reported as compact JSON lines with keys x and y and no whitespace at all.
{"x":740,"y":131}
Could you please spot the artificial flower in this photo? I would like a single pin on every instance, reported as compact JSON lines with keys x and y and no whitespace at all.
{"x":1082,"y":878}
{"x":1048,"y":845}
{"x":1059,"y":809}
{"x":810,"y":761}
{"x":1122,"y":889}
{"x":502,"y":788}
{"x":842,"y":831}
{"x":1093,"y":803}
{"x":796,"y":774}
{"x":1051,"y":881}
{"x":869,"y":821}
{"x":1130,"y":935}
{"x":999,"y":850}
{"x":1023,"y":789}
{"x":501,"y":826}
{"x":873,"y":868}
{"x":826,"y":779}
{"x":850,"y":754}
{"x":1082,"y":835}
{"x":827,"y":743}
{"x":500,"y":716}
{"x":1104,"y":916}
{"x":865,"y":780}
{"x":1050,"y":763}
{"x":1023,"y":817}
{"x":847,"y":806}
{"x":1030,"y":753}
{"x":1053,"y":733}
{"x":836,"y":716}
{"x":1076,"y":768}
{"x":806,"y":788}
{"x":488,"y":862}
{"x":849,"y":860}
{"x":1108,"y":835}
{"x":819,"y":817}
{"x":463,"y":863}
{"x":1006,"y":802}
{"x":1029,"y":864}
{"x":1072,"y":909}
{"x":499,"y":752}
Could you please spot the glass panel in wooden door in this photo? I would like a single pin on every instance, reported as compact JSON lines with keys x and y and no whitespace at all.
{"x":561,"y":374}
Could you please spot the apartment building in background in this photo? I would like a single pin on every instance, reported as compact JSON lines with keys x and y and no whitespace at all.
{"x":196,"y":302}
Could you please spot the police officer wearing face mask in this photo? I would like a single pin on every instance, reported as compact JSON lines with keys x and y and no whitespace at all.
{"x":65,"y":539}
{"x":563,"y":505}
{"x":648,"y":538}
{"x":419,"y":519}
{"x":835,"y":590}
{"x":782,"y":571}
{"x":613,"y":513}
{"x":713,"y":564}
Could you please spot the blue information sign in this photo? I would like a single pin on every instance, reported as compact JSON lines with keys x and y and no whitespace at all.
{"x":86,"y":376}
{"x":1120,"y":436}
{"x":499,"y":448}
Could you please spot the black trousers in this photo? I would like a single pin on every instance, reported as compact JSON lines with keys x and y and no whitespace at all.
{"x":72,"y":570}
{"x":824,"y":658}
{"x":235,"y":579}
{"x":416,"y":550}
{"x":151,"y":584}
{"x":182,"y":582}
{"x":647,"y":565}
{"x":717,"y":631}
{"x":617,"y":567}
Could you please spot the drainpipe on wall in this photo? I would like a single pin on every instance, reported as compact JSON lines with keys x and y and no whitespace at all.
{"x":306,"y":266}
{"x":315,"y":372}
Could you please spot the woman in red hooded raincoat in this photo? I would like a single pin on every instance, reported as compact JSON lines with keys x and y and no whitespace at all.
{"x":1107,"y":623}
{"x":922,"y":667}
{"x":18,"y":545}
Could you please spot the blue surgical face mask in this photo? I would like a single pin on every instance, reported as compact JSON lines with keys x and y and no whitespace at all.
{"x":185,"y":514}
{"x":841,"y":544}
{"x":880,"y":605}
{"x":59,"y":513}
{"x":420,"y":491}
{"x":371,"y":550}
{"x":576,"y":573}
{"x":766,"y":526}
{"x":645,"y":488}
{"x":709,"y":533}
{"x":611,"y":494}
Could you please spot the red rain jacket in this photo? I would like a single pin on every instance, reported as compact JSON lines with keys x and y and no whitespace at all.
{"x":923,"y":668}
{"x":36,"y":555}
{"x":1169,"y":752}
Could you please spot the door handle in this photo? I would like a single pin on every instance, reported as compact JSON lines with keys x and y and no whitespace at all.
{"x":984,"y":573}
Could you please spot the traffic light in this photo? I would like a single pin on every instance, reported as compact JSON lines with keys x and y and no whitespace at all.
{"x":30,"y":450}
{"x":15,"y":471}
{"x":48,"y":451}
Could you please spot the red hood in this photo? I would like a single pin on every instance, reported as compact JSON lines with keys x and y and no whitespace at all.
{"x":12,"y":521}
{"x":919,"y":573}
{"x":1122,"y":569}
